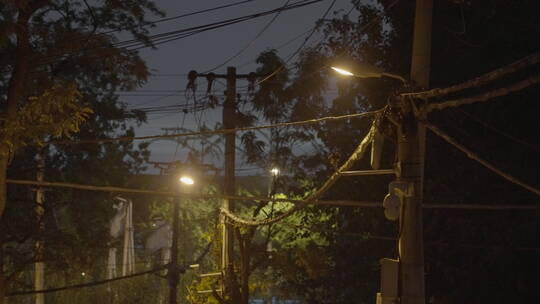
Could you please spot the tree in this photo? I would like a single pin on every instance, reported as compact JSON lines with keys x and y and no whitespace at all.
{"x":469,"y":255}
{"x":65,"y":51}
{"x":469,"y":39}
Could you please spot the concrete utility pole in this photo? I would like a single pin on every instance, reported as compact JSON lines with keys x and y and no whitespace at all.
{"x":173,"y":274}
{"x":229,"y":122}
{"x":229,"y":113}
{"x":39,"y":266}
{"x":411,"y":147}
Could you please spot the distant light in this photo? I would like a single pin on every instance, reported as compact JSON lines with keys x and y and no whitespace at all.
{"x":342,"y":71}
{"x":274,"y":171}
{"x":193,"y":266}
{"x":187,"y":180}
{"x":83,"y":274}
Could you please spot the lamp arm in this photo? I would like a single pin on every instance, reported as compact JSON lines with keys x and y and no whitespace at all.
{"x":395,"y":76}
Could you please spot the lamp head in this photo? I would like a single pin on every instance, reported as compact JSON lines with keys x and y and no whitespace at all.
{"x":186,"y":180}
{"x":342,"y":71}
{"x":186,"y":176}
{"x":349,"y":67}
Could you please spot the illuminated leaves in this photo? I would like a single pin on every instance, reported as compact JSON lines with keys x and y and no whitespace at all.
{"x":55,"y":112}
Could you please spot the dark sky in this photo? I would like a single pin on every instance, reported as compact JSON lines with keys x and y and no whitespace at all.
{"x":209,"y":49}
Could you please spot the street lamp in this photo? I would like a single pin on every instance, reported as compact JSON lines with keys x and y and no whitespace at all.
{"x":274,"y":171}
{"x":186,"y":180}
{"x":362,"y":70}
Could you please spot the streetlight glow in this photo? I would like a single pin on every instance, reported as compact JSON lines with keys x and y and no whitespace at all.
{"x":342,"y":71}
{"x":274,"y":171}
{"x":363,"y":70}
{"x":186,"y":180}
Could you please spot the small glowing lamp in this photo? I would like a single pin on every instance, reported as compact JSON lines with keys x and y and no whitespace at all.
{"x":186,"y":180}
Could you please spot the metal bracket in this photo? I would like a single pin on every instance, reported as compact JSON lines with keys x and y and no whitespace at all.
{"x":401,"y":188}
{"x":368,"y":172}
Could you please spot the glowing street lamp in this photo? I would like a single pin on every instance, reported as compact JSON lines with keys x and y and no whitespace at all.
{"x":362,"y":70}
{"x":186,"y":180}
{"x":274,"y":171}
{"x":342,"y":71}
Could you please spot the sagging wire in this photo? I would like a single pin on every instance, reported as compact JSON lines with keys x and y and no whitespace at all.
{"x":356,"y":155}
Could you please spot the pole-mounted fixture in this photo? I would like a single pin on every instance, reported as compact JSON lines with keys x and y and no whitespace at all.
{"x":351,"y":68}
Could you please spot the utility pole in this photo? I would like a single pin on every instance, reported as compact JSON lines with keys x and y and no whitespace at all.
{"x":39,"y":266}
{"x":229,"y":113}
{"x":411,"y":147}
{"x":229,"y":122}
{"x":173,"y":274}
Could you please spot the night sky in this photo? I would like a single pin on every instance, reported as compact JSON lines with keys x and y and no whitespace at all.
{"x":170,"y":62}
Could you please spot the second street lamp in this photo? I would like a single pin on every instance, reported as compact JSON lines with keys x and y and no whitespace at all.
{"x":186,"y":180}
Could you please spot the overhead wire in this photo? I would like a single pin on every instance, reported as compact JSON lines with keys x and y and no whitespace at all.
{"x":281,"y":45}
{"x":173,"y":18}
{"x":353,"y":158}
{"x":248,"y":45}
{"x":363,"y":28}
{"x":340,"y":203}
{"x":84,"y":285}
{"x":299,"y":49}
{"x":157,"y":39}
{"x":194,"y":13}
{"x":480,"y":160}
{"x":201,"y":256}
{"x":520,"y":85}
{"x":198,"y":29}
{"x":497,"y":130}
{"x":481,"y":80}
{"x":219,"y":131}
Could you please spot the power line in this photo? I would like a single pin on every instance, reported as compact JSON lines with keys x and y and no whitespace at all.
{"x":481,"y":80}
{"x":169,"y":75}
{"x":167,"y":19}
{"x":195,"y":13}
{"x":83,"y":285}
{"x":136,"y":44}
{"x":259,"y":34}
{"x":215,"y":132}
{"x":176,"y":35}
{"x":355,"y":156}
{"x":281,"y":45}
{"x":155,"y":94}
{"x":101,"y":282}
{"x":477,"y":158}
{"x":486,"y":96}
{"x":336,"y":203}
{"x":503,"y":133}
{"x":299,"y":49}
{"x":158,"y":91}
{"x":362,"y":29}
{"x":147,"y":23}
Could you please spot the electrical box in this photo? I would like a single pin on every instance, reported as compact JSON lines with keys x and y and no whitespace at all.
{"x":397,"y":190}
{"x":389,"y":282}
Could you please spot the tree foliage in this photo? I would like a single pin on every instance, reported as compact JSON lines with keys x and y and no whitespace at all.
{"x":469,"y":254}
{"x":62,"y":64}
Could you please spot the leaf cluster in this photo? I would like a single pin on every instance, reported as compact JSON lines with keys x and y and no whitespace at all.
{"x":55,"y":112}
